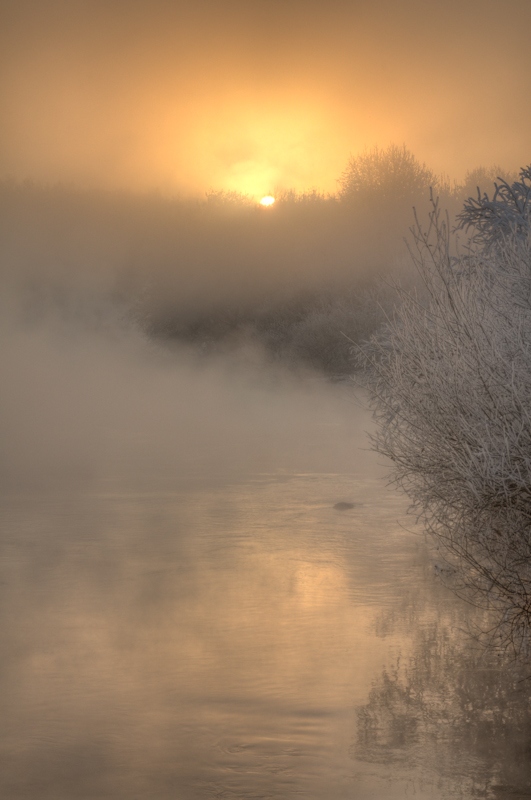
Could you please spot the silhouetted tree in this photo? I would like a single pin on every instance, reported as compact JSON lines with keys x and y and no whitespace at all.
{"x":393,"y":174}
{"x":481,"y":178}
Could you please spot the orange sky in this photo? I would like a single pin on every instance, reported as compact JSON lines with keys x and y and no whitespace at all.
{"x":246,"y":95}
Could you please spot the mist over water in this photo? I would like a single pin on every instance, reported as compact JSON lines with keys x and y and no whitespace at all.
{"x":184,"y":612}
{"x":214,"y":274}
{"x":88,"y":406}
{"x":89,"y":393}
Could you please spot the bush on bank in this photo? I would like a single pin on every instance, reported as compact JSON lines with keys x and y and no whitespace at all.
{"x":449,"y":378}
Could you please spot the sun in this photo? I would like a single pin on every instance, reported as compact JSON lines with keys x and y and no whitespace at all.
{"x":267,"y":201}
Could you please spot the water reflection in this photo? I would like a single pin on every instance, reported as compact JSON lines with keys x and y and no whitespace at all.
{"x":448,"y":714}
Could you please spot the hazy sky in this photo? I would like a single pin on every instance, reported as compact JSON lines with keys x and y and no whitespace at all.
{"x":238,"y":94}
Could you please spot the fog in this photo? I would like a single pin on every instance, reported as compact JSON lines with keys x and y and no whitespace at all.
{"x":139,"y":330}
{"x":104,"y":409}
{"x":298,"y":281}
{"x":98,"y":392}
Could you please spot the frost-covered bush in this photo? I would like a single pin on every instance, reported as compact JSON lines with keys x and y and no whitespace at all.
{"x":450,"y":381}
{"x":322,"y":337}
{"x":507,"y":213}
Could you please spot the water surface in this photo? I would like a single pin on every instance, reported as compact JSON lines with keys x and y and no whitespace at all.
{"x":204,"y":624}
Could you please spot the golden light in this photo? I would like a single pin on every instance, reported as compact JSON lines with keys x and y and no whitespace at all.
{"x":267,"y":201}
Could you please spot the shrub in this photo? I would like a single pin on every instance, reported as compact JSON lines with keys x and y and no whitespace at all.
{"x":449,"y":378}
{"x":507,"y":213}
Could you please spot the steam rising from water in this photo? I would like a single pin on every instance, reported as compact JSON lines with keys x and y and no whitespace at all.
{"x":104,"y":404}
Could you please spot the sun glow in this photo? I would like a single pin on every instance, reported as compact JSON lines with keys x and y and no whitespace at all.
{"x":267,"y":201}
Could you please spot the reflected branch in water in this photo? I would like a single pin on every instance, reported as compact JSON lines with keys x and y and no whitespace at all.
{"x":451,"y":712}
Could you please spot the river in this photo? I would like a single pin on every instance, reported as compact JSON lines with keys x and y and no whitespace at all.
{"x":192,"y":618}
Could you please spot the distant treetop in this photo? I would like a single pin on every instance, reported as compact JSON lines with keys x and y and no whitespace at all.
{"x":392,"y":174}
